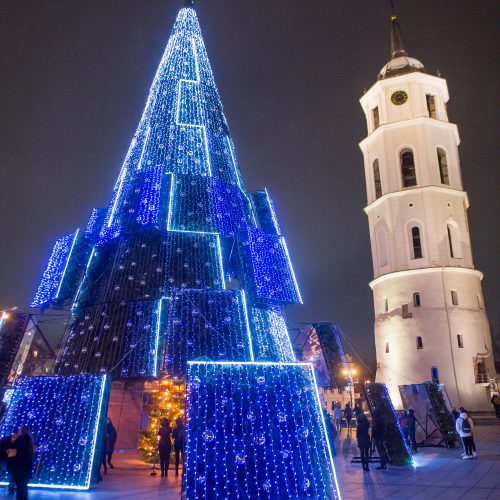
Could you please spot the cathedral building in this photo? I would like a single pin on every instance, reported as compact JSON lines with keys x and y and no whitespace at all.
{"x":430,"y":318}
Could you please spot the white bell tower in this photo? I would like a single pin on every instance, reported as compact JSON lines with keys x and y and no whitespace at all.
{"x":430,"y":322}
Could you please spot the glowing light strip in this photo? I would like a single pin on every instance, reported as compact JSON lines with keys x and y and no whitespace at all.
{"x":77,"y":296}
{"x":146,"y":138}
{"x":318,"y":400}
{"x":273,"y":213}
{"x":170,"y":201}
{"x":245,"y":310}
{"x":157,"y":344}
{"x":219,"y":248}
{"x":266,"y":363}
{"x":283,"y":242}
{"x":110,"y":221}
{"x":98,"y":419}
{"x":67,"y":262}
{"x":2,"y":320}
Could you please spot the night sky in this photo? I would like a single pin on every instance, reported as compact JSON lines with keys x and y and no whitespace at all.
{"x":76,"y":74}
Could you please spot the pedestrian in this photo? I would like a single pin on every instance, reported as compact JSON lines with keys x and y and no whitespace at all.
{"x":455,"y":414}
{"x":357,"y":410}
{"x":178,"y":433}
{"x":412,"y":429}
{"x":495,"y":401}
{"x":403,"y":423}
{"x":104,"y":453}
{"x":464,"y":426}
{"x":165,"y":446}
{"x":379,"y":429}
{"x":348,"y":415}
{"x":364,"y":442}
{"x":331,"y":432}
{"x":6,"y":461}
{"x":111,"y":436}
{"x":21,"y":450}
{"x":337,"y":417}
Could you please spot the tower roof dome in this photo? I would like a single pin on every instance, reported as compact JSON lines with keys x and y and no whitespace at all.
{"x":400,"y":62}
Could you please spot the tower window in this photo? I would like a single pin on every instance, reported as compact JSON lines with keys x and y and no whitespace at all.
{"x":376,"y":118}
{"x":416,"y":299}
{"x":460,"y":341}
{"x":376,"y":179}
{"x":420,"y":343}
{"x":416,"y":243}
{"x":431,"y":105}
{"x":435,"y":374}
{"x":443,"y":166}
{"x":386,"y":305}
{"x":454,"y":241}
{"x":387,"y":347}
{"x":454,"y":297}
{"x":408,"y":171}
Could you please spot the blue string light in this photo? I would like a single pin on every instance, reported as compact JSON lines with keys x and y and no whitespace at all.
{"x":66,"y":416}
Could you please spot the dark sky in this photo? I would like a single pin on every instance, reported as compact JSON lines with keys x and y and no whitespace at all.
{"x":75,"y":77}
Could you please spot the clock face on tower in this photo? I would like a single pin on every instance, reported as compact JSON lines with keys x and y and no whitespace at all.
{"x":399,"y":97}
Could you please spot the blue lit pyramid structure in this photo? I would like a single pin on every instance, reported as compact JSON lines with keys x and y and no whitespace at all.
{"x":185,"y":274}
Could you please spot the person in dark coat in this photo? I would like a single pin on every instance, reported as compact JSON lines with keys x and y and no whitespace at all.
{"x":363,"y":437}
{"x":379,"y":430}
{"x":104,"y":453}
{"x":22,"y":463}
{"x":110,"y":441}
{"x":357,"y":410}
{"x":348,"y":416}
{"x":165,"y":445}
{"x":178,"y":433}
{"x":6,"y":461}
{"x":412,"y":423}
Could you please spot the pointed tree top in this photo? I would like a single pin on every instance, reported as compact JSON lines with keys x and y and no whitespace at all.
{"x":397,"y":43}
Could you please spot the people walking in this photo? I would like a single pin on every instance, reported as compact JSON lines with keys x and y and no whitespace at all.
{"x":21,"y":450}
{"x":464,"y":426}
{"x":337,"y":417}
{"x":348,"y":416}
{"x":357,"y":410}
{"x":364,"y":442}
{"x":379,"y":429}
{"x":165,"y":445}
{"x":179,"y":433}
{"x":412,"y":429}
{"x":111,"y":436}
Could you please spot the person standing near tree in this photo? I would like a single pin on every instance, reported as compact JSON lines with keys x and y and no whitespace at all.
{"x":348,"y":415}
{"x":21,"y":449}
{"x":179,"y":433}
{"x":337,"y":418}
{"x":111,"y":436}
{"x":165,"y":446}
{"x":412,"y":429}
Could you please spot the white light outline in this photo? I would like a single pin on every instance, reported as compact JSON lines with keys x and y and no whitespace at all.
{"x":157,"y":342}
{"x":249,"y":333}
{"x":67,"y":262}
{"x":89,"y":476}
{"x":201,"y":127}
{"x":170,"y":201}
{"x":77,"y":296}
{"x":283,"y":243}
{"x":219,"y":248}
{"x":273,"y":213}
{"x":112,"y":215}
{"x":146,"y":138}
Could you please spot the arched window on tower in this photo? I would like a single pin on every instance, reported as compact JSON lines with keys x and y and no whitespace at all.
{"x":383,"y":258}
{"x":416,"y":243}
{"x":376,"y":179}
{"x":408,"y":172}
{"x":454,"y":240}
{"x":443,"y":166}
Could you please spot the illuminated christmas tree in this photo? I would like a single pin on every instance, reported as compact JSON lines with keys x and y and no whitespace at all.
{"x":185,"y":266}
{"x":167,"y":400}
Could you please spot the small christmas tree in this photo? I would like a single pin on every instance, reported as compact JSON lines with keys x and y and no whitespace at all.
{"x":168,"y":398}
